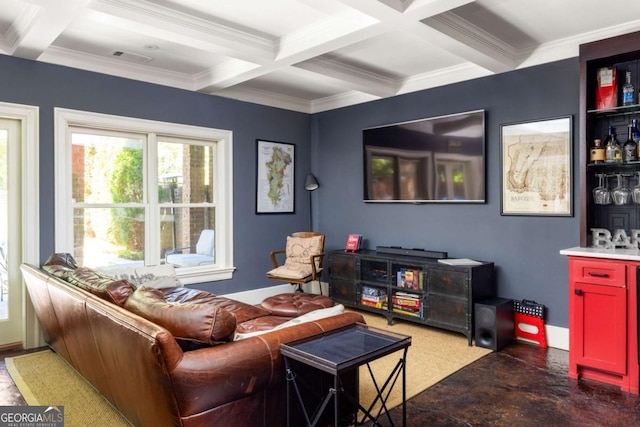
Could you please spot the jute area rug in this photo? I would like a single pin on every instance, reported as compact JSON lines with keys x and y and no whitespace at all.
{"x":45,"y":379}
{"x":434,"y":354}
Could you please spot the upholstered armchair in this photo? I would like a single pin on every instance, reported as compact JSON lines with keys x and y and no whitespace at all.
{"x":304,"y":254}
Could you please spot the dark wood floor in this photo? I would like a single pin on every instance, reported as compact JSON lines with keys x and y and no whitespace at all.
{"x":522,"y":385}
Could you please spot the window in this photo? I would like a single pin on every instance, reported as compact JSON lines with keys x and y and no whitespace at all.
{"x":133,"y":192}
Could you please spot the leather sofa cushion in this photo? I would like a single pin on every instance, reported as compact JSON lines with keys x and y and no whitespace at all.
{"x":63,"y":260}
{"x":242,"y":311}
{"x":64,"y":267}
{"x":204,"y":323}
{"x":296,"y":304}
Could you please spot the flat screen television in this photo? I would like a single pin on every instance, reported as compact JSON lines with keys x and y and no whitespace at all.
{"x":439,"y":159}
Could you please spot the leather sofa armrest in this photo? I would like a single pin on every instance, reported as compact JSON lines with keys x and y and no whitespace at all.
{"x":224,"y":373}
{"x":233,"y":371}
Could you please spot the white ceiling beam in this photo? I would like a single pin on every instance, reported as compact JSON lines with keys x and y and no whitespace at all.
{"x":472,"y":43}
{"x":397,"y":11}
{"x":433,"y":22}
{"x":324,"y":36}
{"x":228,"y":73}
{"x":353,"y":77}
{"x":44,"y":24}
{"x":177,"y":27}
{"x":421,"y":9}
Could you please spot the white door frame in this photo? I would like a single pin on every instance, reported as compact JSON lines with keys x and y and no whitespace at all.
{"x":29,"y":117}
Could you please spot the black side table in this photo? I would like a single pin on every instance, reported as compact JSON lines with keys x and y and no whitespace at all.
{"x":339,"y":352}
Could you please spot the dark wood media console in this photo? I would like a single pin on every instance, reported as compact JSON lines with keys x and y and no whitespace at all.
{"x":416,"y":289}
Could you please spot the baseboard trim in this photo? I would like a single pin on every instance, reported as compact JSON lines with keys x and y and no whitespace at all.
{"x":557,"y":337}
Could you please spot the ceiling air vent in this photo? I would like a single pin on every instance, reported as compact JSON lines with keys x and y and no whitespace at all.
{"x":130,"y":57}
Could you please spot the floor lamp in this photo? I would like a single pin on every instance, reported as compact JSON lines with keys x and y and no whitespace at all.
{"x":310,"y":184}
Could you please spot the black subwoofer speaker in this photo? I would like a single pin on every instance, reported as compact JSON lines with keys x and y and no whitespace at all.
{"x":494,"y":323}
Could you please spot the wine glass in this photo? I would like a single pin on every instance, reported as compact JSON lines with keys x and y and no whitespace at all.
{"x":621,"y":194}
{"x":635,"y":192}
{"x":601,"y":194}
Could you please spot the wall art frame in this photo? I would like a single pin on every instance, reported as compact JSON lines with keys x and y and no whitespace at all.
{"x":275,"y":177}
{"x":536,"y":167}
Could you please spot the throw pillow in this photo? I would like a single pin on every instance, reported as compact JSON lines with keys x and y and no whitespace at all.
{"x":300,"y":249}
{"x":151,"y":276}
{"x":204,"y":323}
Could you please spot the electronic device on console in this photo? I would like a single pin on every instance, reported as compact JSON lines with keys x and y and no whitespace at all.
{"x":397,"y":250}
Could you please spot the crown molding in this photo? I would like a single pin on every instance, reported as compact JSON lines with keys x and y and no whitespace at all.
{"x":443,"y":77}
{"x":106,"y":65}
{"x":345,"y":99}
{"x":10,"y":40}
{"x":264,"y":97}
{"x":570,"y":47}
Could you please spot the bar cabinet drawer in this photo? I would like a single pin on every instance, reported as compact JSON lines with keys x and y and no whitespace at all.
{"x":599,"y":272}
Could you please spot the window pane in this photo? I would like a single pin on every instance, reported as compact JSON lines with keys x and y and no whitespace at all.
{"x":107,"y":169}
{"x":187,"y":231}
{"x":458,"y":181}
{"x":185,"y":173}
{"x":383,"y":174}
{"x":108,"y":236}
{"x":409,"y":179}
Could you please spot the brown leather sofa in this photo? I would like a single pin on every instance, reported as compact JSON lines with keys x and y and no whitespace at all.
{"x":155,"y":377}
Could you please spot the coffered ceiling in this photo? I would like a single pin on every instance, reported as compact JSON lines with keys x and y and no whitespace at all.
{"x":306,"y":55}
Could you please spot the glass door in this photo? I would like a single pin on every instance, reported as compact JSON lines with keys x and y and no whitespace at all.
{"x":10,"y":241}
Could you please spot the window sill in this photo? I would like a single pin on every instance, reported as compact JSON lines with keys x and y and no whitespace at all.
{"x":191,"y":275}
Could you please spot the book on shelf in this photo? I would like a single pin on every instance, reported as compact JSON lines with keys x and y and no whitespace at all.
{"x":380,"y":305}
{"x":410,"y":278}
{"x":407,"y":312}
{"x":373,"y":291}
{"x":373,"y":298}
{"x":411,"y":304}
{"x":459,"y":261}
{"x":354,"y":241}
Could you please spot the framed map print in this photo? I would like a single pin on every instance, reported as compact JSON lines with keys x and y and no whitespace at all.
{"x":275,"y":177}
{"x":536,"y":167}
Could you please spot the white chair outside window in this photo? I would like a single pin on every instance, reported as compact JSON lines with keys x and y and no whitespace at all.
{"x":204,"y":252}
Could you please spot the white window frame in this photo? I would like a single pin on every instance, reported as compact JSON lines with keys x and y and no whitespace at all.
{"x":223,"y":182}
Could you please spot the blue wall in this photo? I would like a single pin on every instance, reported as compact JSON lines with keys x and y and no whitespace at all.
{"x":48,"y":86}
{"x":524,"y":249}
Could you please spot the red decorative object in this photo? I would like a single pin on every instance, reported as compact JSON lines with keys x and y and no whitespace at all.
{"x":526,"y":319}
{"x":607,"y":88}
{"x":353,"y":242}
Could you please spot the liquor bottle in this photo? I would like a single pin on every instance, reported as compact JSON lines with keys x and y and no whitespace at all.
{"x":597,"y":154}
{"x":636,"y":131}
{"x":629,"y":149}
{"x":617,"y":154}
{"x":613,"y":151}
{"x":628,"y":91}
